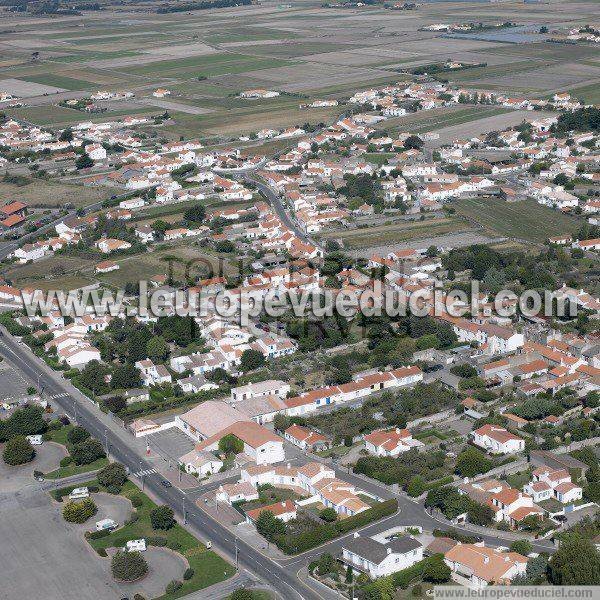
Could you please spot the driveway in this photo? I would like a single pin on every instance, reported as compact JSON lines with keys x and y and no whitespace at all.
{"x":47,"y":458}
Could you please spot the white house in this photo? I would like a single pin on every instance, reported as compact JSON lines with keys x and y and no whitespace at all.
{"x":95,"y":151}
{"x":497,"y":440}
{"x":200,"y":463}
{"x":378,"y":560}
{"x":390,"y":442}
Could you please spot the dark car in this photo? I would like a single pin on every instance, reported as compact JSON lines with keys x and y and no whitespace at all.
{"x":432,"y":368}
{"x":166,"y":483}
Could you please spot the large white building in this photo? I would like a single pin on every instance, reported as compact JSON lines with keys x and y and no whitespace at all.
{"x":378,"y":560}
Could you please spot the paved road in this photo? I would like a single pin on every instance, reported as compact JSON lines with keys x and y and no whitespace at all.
{"x":275,"y":201}
{"x":284,"y":581}
{"x":280,"y":575}
{"x":9,"y":247}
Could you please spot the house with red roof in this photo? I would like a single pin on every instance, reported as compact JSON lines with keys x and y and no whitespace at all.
{"x":497,"y":440}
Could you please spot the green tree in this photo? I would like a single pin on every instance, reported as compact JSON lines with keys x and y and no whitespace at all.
{"x":472,"y":462}
{"x":112,"y":477}
{"x":87,"y":452}
{"x":84,"y":162}
{"x":92,"y":377}
{"x":25,"y":421}
{"x":269,"y":526}
{"x":328,"y":514}
{"x":416,"y":486}
{"x":162,"y":517}
{"x":523,"y":547}
{"x":77,"y":435}
{"x":125,"y":376}
{"x":251,"y":359}
{"x":18,"y":451}
{"x":79,"y":512}
{"x":157,"y":348}
{"x":128,"y":566}
{"x":195,"y":214}
{"x":326,"y":564}
{"x":436,"y":570}
{"x":576,"y":562}
{"x":413,"y":142}
{"x":230,"y":444}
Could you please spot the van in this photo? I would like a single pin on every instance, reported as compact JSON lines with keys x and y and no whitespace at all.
{"x":35,"y":440}
{"x":208,"y":545}
{"x":135,"y":546}
{"x":106,"y":524}
{"x":79,"y":493}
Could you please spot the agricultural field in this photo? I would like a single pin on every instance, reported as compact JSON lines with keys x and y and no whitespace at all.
{"x":42,"y":193}
{"x":404,"y":231}
{"x":526,"y":220}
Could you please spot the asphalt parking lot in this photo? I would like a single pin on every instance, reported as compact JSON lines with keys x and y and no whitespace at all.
{"x":39,"y":551}
{"x":170,"y":444}
{"x":13,"y":385}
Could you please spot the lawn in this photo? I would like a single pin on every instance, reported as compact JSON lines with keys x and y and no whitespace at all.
{"x":209,"y":568}
{"x":518,"y":480}
{"x":526,"y":220}
{"x":60,"y":437}
{"x":403,"y":231}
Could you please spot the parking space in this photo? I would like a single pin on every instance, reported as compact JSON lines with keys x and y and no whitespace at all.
{"x":170,"y":444}
{"x":13,"y":385}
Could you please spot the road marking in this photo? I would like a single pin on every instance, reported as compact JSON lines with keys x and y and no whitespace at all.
{"x":145,"y":473}
{"x":57,"y":396}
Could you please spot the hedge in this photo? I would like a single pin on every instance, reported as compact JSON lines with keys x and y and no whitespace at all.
{"x":402,"y":579}
{"x":379,"y":511}
{"x":438,"y":483}
{"x":322,"y":533}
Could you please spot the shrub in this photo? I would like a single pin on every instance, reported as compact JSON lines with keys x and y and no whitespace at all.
{"x":417,"y":590}
{"x":102,"y":552}
{"x":162,"y":517}
{"x":173,"y":586}
{"x":188,"y":574}
{"x":79,"y":512}
{"x":136,"y":501}
{"x":155,"y":540}
{"x":436,"y":570}
{"x":66,"y":461}
{"x":174,"y":545}
{"x":138,"y":597}
{"x":18,"y":451}
{"x":96,"y":535}
{"x":128,"y":566}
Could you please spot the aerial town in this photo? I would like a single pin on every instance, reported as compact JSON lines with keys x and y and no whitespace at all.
{"x":299,"y":301}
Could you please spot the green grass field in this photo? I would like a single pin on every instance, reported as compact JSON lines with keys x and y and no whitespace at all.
{"x":590,"y":94}
{"x":209,"y":568}
{"x":60,"y":81}
{"x":525,"y":220}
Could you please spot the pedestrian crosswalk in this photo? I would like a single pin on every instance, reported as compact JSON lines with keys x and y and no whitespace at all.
{"x":57,"y":396}
{"x":145,"y":472}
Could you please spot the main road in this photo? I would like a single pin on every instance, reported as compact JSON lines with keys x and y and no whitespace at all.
{"x":283,"y":580}
{"x":281,"y":575}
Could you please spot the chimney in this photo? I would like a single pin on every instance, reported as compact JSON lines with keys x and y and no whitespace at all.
{"x":486,"y":560}
{"x":389,"y":550}
{"x":289,"y":465}
{"x":397,"y":430}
